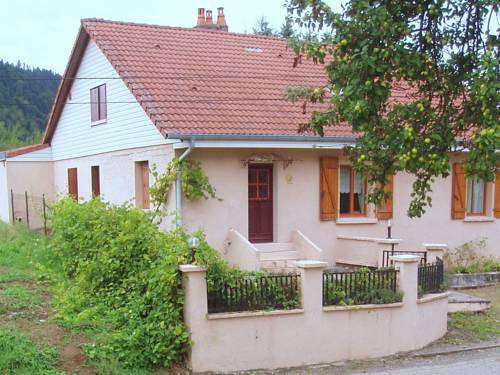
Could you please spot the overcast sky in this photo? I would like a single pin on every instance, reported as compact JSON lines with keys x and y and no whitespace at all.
{"x":42,"y":32}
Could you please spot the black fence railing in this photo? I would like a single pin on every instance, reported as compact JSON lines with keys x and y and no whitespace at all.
{"x":386,"y":255}
{"x":270,"y":292}
{"x":360,"y":287}
{"x":431,"y":277}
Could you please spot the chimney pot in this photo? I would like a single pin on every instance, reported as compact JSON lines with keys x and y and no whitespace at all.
{"x":221,"y":19}
{"x":208,"y":19}
{"x":201,"y":17}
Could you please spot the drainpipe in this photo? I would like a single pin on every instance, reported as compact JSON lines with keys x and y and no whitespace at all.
{"x":178,"y":185}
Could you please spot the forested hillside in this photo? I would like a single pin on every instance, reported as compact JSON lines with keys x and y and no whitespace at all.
{"x":26,"y":96}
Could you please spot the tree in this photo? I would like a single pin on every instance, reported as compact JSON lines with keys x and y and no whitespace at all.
{"x":262,"y":27}
{"x":441,"y":54}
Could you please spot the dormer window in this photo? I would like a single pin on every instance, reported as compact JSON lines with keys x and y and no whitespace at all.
{"x":98,"y":110}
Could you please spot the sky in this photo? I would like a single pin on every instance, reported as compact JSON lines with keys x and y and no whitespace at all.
{"x":42,"y":32}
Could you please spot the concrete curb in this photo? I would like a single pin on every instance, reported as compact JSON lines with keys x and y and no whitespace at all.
{"x":457,"y":350}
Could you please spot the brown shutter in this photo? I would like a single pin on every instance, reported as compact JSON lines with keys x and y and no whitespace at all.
{"x":102,"y":102}
{"x":96,"y":183}
{"x":459,"y":185}
{"x":384,"y":212}
{"x":73,"y":183}
{"x":94,"y":104}
{"x":496,"y":208}
{"x":329,"y":188}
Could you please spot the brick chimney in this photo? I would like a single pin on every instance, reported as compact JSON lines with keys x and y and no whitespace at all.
{"x":205,"y":20}
{"x":201,"y":17}
{"x":221,"y":19}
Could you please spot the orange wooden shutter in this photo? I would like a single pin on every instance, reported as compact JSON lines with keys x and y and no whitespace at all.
{"x":384,"y":212}
{"x":145,"y":184}
{"x":459,"y":184}
{"x":496,"y":208}
{"x":73,"y":183}
{"x":96,"y":184}
{"x":329,"y":188}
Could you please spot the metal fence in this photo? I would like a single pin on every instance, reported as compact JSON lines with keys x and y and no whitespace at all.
{"x":256,"y":293}
{"x":29,"y":209}
{"x":431,"y":277}
{"x":357,"y":287}
{"x":386,"y":255}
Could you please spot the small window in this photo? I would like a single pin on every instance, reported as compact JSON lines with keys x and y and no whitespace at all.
{"x":73,"y":183}
{"x":98,"y":110}
{"x":96,"y":182}
{"x":352,"y":189}
{"x":476,"y":196}
{"x":142,"y":184}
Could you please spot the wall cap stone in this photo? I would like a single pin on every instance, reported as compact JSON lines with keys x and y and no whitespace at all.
{"x":433,"y":297}
{"x":308,"y":263}
{"x":362,"y":307}
{"x":435,"y":246}
{"x":249,"y":314}
{"x":192,"y":268}
{"x":369,"y":239}
{"x":405,"y":258}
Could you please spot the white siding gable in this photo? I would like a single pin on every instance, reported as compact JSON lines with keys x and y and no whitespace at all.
{"x":45,"y":154}
{"x":127,"y":124}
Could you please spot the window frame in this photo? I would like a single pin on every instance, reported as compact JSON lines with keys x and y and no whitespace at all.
{"x":95,"y":180}
{"x":101,"y":106}
{"x":351,"y":212}
{"x":485,"y":198}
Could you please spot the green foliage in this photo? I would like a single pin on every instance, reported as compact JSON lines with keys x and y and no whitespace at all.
{"x":24,"y":103}
{"x":442,"y":54}
{"x":19,"y":356}
{"x":359,"y":291}
{"x":195,"y":183}
{"x":467,"y":258}
{"x":15,"y":298}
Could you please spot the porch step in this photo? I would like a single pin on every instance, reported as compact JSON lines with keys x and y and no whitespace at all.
{"x":461,"y":302}
{"x":274,"y":247}
{"x":278,"y":255}
{"x":274,"y":265}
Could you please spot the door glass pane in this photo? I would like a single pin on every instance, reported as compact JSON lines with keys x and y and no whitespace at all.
{"x":344,"y":188}
{"x":252,"y":191}
{"x":252,"y":175}
{"x":469,"y":194}
{"x":359,"y":193}
{"x":478,"y":199}
{"x":263,"y":176}
{"x":263,"y":192}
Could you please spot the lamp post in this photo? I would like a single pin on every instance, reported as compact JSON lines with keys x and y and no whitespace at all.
{"x":193,"y":244}
{"x":389,"y":234}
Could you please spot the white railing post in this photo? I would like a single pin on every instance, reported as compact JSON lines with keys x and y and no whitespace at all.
{"x":408,"y":276}
{"x":311,"y":275}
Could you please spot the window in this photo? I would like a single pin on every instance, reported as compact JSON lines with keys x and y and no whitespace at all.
{"x":96,"y":183}
{"x":352,"y":189}
{"x":142,"y":184}
{"x":259,"y":184}
{"x":98,"y":110}
{"x":73,"y":183}
{"x":476,"y":196}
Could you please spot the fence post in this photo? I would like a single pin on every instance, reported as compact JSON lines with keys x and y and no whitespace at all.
{"x":408,"y":276}
{"x":434,"y":251}
{"x":44,"y":215}
{"x":311,"y":275}
{"x":12,"y":206}
{"x":27,"y":211}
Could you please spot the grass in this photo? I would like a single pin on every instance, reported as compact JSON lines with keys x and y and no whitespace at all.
{"x":480,"y":326}
{"x":18,"y":298}
{"x":20,"y":356}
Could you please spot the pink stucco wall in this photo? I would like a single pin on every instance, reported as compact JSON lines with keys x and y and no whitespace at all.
{"x":296,"y":206}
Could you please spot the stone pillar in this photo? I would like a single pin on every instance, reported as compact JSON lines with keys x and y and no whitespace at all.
{"x":384,"y":244}
{"x":194,"y":283}
{"x":408,"y":277}
{"x":311,"y":275}
{"x":435,"y":250}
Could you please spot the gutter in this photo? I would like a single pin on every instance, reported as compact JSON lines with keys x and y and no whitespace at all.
{"x":178,"y":184}
{"x":276,"y":138}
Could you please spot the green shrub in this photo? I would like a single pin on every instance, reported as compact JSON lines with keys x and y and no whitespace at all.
{"x":467,"y":258}
{"x":19,"y":356}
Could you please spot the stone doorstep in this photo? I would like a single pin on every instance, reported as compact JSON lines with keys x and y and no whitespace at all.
{"x":461,"y":302}
{"x":458,"y":297}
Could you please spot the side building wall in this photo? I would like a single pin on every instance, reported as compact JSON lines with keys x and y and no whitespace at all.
{"x":297,"y":206}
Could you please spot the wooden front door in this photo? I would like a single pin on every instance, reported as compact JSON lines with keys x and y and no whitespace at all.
{"x":260,"y":203}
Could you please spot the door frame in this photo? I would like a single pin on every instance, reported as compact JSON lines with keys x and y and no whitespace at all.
{"x":270,"y":167}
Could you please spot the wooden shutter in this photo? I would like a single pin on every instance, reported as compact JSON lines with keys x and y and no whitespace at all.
{"x":459,"y":185}
{"x":329,"y":188}
{"x":102,"y":102}
{"x":96,"y":183}
{"x":496,"y":208}
{"x":384,"y":212}
{"x":94,"y":104}
{"x":73,"y":183}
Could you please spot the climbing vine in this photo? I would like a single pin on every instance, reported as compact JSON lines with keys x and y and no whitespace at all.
{"x":195,"y":183}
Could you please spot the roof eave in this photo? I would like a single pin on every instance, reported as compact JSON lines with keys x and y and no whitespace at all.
{"x":262,"y":137}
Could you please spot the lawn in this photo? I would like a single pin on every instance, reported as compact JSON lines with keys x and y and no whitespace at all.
{"x":472,"y":327}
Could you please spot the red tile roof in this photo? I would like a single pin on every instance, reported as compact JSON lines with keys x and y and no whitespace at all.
{"x":25,"y":150}
{"x":196,"y":81}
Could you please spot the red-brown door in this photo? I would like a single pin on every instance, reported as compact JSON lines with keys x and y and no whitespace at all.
{"x":260,"y":203}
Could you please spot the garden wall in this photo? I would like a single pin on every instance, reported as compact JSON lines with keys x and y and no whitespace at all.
{"x":313,"y":334}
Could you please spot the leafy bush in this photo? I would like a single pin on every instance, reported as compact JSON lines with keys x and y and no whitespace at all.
{"x":358,"y":290}
{"x":467,"y":258}
{"x":18,"y":356}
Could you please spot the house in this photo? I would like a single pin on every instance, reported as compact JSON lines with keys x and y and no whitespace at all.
{"x":135,"y":95}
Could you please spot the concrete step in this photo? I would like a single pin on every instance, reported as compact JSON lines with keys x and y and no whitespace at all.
{"x":274,"y":246}
{"x":273,"y":264}
{"x":461,"y":302}
{"x":278,"y":255}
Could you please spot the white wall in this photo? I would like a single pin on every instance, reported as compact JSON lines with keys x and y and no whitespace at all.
{"x":4,"y":193}
{"x":44,"y":154}
{"x":127,"y":124}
